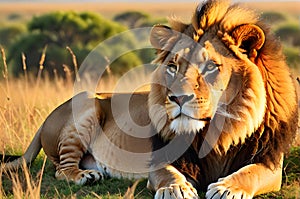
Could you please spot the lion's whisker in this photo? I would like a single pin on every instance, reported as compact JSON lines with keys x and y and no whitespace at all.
{"x":222,"y":111}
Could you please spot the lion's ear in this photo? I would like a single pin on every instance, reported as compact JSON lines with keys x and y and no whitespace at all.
{"x":159,"y":36}
{"x":249,"y":38}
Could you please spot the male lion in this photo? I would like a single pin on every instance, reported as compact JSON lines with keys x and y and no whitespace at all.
{"x":227,"y":97}
{"x":220,"y":114}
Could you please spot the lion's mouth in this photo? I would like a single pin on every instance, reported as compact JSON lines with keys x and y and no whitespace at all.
{"x":204,"y":119}
{"x":183,"y":123}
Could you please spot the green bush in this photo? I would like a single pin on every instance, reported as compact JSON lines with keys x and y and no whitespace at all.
{"x":273,"y":17}
{"x":125,"y":62}
{"x":57,"y":30}
{"x":289,"y":33}
{"x":131,"y":19}
{"x":135,"y":19}
{"x":293,"y":57}
{"x":14,"y":16}
{"x":9,"y":33}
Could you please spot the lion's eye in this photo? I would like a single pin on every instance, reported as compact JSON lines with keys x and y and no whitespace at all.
{"x":211,"y":71}
{"x":210,"y":67}
{"x":172,"y":69}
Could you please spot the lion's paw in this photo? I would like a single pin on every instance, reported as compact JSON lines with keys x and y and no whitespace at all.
{"x":80,"y":177}
{"x":177,"y":191}
{"x":89,"y":176}
{"x":225,"y":188}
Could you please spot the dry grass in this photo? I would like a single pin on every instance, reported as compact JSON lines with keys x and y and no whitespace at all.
{"x":23,"y":184}
{"x":23,"y":111}
{"x":24,"y":104}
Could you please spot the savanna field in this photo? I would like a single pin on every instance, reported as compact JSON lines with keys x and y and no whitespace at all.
{"x":38,"y":67}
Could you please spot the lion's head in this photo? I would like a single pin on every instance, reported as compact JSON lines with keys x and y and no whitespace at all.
{"x":225,"y":71}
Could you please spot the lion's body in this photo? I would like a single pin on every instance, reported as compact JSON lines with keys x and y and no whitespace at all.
{"x":221,"y":113}
{"x":81,"y":137}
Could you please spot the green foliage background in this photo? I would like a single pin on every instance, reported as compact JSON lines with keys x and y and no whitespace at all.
{"x":82,"y":32}
{"x":287,"y":28}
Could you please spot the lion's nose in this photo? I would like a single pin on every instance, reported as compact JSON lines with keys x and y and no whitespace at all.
{"x":181,"y":99}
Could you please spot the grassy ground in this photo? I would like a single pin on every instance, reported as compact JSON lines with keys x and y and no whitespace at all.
{"x":52,"y":188}
{"x":115,"y":188}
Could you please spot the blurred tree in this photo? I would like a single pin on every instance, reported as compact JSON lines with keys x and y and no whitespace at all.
{"x":135,"y":19}
{"x":80,"y":31}
{"x":9,"y":33}
{"x":273,"y":17}
{"x":292,"y":56}
{"x":131,"y":19}
{"x":126,"y":60}
{"x":289,"y":33}
{"x":14,"y":16}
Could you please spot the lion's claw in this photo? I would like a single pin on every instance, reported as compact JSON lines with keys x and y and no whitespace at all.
{"x":80,"y":177}
{"x":223,"y":189}
{"x":177,"y":191}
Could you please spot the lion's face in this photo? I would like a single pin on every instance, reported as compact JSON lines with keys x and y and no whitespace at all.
{"x":194,"y":78}
{"x":197,"y":80}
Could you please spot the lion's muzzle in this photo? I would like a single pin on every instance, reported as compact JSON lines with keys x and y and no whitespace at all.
{"x":181,"y":100}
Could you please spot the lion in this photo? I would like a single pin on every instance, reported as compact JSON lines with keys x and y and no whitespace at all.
{"x":223,"y":92}
{"x":219,"y":116}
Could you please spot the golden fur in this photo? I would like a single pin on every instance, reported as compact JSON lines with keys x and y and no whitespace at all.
{"x":248,"y":123}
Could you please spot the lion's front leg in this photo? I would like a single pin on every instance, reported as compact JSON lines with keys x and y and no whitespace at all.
{"x":73,"y":152}
{"x":247,"y":182}
{"x":169,"y":183}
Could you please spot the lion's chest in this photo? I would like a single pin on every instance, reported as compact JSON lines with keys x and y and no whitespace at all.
{"x":201,"y":171}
